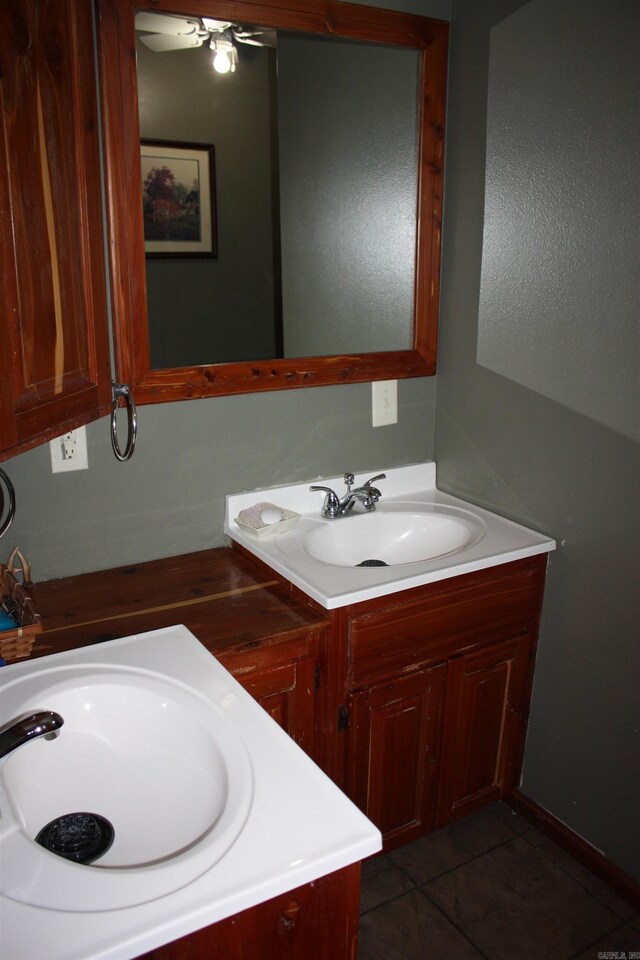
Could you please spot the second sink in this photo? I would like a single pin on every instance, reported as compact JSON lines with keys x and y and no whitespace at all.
{"x":393,"y":536}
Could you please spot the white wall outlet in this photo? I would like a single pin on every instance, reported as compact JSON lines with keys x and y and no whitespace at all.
{"x":384,"y":402}
{"x":69,"y":452}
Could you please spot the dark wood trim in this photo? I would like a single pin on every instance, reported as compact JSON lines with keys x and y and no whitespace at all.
{"x":576,"y":845}
{"x":118,"y":85}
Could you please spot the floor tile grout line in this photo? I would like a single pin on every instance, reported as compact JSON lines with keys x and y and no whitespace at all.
{"x":418,"y":886}
{"x":609,"y":932}
{"x":620,"y":921}
{"x":452,"y":923}
{"x":384,"y":903}
{"x":462,"y":863}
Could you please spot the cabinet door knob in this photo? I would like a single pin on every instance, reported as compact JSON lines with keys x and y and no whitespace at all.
{"x":289,"y":915}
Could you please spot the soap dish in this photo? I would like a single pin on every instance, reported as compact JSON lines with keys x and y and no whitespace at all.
{"x":250,"y":520}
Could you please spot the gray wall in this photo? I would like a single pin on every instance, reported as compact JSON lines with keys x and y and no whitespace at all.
{"x":169,"y":498}
{"x":537,"y":403}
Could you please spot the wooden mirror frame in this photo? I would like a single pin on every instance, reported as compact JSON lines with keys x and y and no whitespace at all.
{"x":117,"y":55}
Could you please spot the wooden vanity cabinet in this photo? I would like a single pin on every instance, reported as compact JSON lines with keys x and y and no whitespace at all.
{"x":416,"y":703}
{"x":53,"y":318}
{"x":318,"y":921}
{"x":438,"y":687}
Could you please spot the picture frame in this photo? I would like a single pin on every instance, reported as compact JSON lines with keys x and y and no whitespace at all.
{"x":178,"y":199}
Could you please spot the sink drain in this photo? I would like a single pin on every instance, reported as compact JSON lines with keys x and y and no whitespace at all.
{"x":81,"y":837}
{"x":372,"y":563}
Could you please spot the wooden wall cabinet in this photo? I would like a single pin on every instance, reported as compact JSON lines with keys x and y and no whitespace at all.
{"x":53,"y":314}
{"x":438,"y":688}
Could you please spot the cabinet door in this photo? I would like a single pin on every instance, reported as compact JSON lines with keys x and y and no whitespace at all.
{"x":288,"y":693}
{"x":53,"y":318}
{"x":318,"y":921}
{"x":394,"y":750}
{"x":484,"y":727}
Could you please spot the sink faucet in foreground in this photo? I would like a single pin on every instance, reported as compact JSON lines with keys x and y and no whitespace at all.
{"x":43,"y":723}
{"x":335,"y":506}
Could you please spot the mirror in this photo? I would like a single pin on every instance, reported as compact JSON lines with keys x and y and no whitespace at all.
{"x":325,"y":255}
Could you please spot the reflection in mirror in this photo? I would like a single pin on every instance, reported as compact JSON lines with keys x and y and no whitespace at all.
{"x":359,"y":267}
{"x":314,"y":201}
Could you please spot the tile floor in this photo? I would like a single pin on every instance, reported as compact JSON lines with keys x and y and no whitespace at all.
{"x":490,"y":886}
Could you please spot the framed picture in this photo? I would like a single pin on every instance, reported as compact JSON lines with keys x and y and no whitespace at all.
{"x":178,"y":199}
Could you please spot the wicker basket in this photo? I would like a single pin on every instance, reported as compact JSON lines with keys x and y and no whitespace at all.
{"x":18,"y":643}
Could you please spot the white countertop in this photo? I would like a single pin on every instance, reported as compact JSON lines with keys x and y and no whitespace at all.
{"x":300,"y":826}
{"x":337,"y":586}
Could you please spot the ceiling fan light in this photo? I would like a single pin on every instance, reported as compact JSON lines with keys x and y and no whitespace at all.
{"x":222,"y":62}
{"x":225,"y":55}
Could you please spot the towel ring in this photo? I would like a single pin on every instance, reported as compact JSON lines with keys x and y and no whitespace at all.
{"x":11,"y":497}
{"x":123,"y":390}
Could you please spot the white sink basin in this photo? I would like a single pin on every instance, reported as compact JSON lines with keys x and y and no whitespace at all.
{"x":390,"y":537}
{"x":155,"y":760}
{"x":215,"y":809}
{"x":420,"y":534}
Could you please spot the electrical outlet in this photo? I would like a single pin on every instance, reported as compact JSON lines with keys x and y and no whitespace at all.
{"x":69,"y":452}
{"x":384,"y":402}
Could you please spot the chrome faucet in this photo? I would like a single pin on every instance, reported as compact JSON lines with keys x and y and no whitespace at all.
{"x":335,"y":506}
{"x":43,"y":723}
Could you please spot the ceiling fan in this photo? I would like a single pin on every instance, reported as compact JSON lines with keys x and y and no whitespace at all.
{"x":163,"y":32}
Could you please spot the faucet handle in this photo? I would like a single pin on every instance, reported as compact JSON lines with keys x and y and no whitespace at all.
{"x":378,"y":476}
{"x":331,"y":506}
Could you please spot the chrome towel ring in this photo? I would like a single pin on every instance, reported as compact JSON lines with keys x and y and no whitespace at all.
{"x":11,"y":503}
{"x":123,"y":390}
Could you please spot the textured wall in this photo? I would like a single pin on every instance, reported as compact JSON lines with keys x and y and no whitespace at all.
{"x":526,"y":424}
{"x":560,"y":239}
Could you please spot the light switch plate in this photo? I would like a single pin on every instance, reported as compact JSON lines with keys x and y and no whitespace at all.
{"x":384,"y":402}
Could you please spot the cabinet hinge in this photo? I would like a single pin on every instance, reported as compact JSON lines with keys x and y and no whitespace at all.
{"x":343,"y":717}
{"x":316,"y":678}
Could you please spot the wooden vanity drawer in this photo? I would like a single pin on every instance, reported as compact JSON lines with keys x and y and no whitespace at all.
{"x":443,"y":619}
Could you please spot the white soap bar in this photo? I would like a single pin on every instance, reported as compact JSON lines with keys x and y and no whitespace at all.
{"x":271,"y":515}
